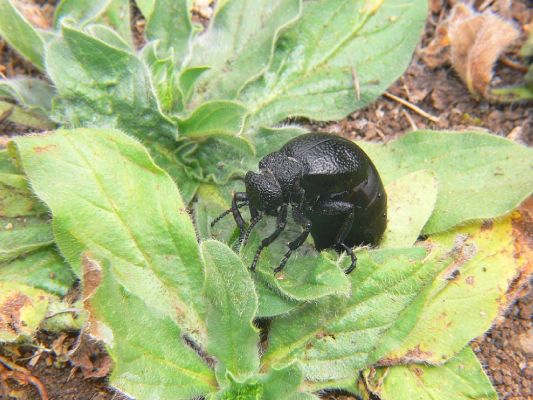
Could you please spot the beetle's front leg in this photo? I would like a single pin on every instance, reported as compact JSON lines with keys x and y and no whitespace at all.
{"x":238,"y":196}
{"x":280,"y":226}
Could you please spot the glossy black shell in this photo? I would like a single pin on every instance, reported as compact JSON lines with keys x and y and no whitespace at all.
{"x":336,"y":168}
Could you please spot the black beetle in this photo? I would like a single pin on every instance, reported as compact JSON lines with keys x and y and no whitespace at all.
{"x":332,"y":186}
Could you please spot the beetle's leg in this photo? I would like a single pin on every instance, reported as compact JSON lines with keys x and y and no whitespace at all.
{"x":349,"y":250}
{"x":280,"y":226}
{"x":229,"y":211}
{"x":294,"y":245}
{"x":246,"y":234}
{"x":238,"y":197}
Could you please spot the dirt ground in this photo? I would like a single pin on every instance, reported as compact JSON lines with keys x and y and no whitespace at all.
{"x":506,"y":350}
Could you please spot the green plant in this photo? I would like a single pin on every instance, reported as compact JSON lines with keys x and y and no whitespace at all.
{"x":142,"y":134}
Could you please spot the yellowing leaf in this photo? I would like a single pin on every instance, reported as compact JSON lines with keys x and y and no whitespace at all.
{"x":22,"y":308}
{"x":466,"y":297}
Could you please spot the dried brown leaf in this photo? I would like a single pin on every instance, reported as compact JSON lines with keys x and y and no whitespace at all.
{"x":472,"y":42}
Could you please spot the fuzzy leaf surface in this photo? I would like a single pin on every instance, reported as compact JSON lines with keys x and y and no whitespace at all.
{"x":214,"y":117}
{"x":461,"y":378}
{"x":20,"y":34}
{"x":151,"y":359}
{"x":16,"y":198}
{"x":470,"y":168}
{"x":466,"y":297}
{"x":20,"y":236}
{"x":335,"y":337}
{"x":31,"y":93}
{"x":101,"y":86}
{"x":170,"y":24}
{"x":238,"y":44}
{"x":109,"y":198}
{"x":26,"y":118}
{"x":231,"y":307}
{"x":43,"y":269}
{"x":410,"y":202}
{"x":333,"y":49}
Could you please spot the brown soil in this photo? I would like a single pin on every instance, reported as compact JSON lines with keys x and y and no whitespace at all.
{"x":506,"y":350}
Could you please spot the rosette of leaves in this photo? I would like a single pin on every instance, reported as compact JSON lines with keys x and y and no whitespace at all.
{"x":144,"y":136}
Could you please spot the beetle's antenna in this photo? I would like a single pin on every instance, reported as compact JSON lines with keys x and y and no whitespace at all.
{"x":226,"y":213}
{"x":246,"y":236}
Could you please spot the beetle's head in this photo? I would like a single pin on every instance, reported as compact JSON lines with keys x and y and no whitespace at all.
{"x":278,"y":180}
{"x":264,"y":191}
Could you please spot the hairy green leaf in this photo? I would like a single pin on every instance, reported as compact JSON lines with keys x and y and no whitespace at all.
{"x":43,"y":269}
{"x":231,"y":307}
{"x":307,"y":275}
{"x":20,"y":34}
{"x":170,"y":23}
{"x":102,"y":86}
{"x":146,"y":7}
{"x":30,"y":93}
{"x":465,"y":298}
{"x":238,"y":44}
{"x":20,"y":236}
{"x":30,"y":119}
{"x":271,"y":302}
{"x":16,"y":198}
{"x":340,"y":56}
{"x":471,"y":167}
{"x":79,"y":12}
{"x":109,"y":198}
{"x":151,"y":359}
{"x":336,"y":337}
{"x":410,"y":202}
{"x":212,"y":118}
{"x":461,"y":378}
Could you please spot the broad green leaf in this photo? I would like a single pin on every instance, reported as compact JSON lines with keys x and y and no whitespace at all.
{"x":108,"y":36}
{"x":151,"y":358}
{"x":114,"y":14}
{"x":102,"y":86}
{"x":214,"y":117}
{"x":30,"y":93}
{"x":22,"y":308}
{"x":307,"y":275}
{"x":238,"y":44}
{"x":16,"y":198}
{"x":109,"y":198}
{"x":20,"y":236}
{"x":221,"y":157}
{"x":19,"y":116}
{"x":170,"y":23}
{"x":146,"y":7}
{"x":79,"y":12}
{"x":335,"y":337}
{"x":277,"y":384}
{"x":464,"y":299}
{"x":272,"y":303}
{"x":188,"y":78}
{"x":164,"y":78}
{"x":43,"y":269}
{"x":163,"y":150}
{"x":461,"y":378}
{"x":20,"y":34}
{"x":340,"y":56}
{"x":480,"y":175}
{"x":410,"y":202}
{"x":117,"y":16}
{"x":231,"y":307}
